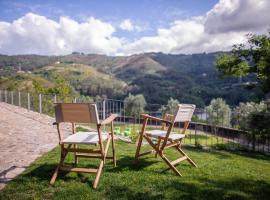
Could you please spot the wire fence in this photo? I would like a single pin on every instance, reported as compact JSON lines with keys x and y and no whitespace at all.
{"x":215,"y":130}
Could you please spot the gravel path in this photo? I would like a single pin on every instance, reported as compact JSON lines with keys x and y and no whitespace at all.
{"x":24,"y":136}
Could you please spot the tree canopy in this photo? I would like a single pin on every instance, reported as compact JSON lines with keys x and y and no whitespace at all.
{"x":250,"y":58}
{"x":134,"y":105}
{"x":218,"y":113}
{"x":171,"y":106}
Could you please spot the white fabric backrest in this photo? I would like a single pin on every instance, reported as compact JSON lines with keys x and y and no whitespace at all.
{"x":184,"y":112}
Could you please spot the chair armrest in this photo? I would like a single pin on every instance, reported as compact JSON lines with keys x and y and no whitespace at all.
{"x":109,"y":119}
{"x":155,"y":118}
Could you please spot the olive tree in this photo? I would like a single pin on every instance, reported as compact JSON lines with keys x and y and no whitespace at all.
{"x":218,"y":113}
{"x":243,"y":112}
{"x":171,"y":106}
{"x":250,"y":58}
{"x":134,"y":105}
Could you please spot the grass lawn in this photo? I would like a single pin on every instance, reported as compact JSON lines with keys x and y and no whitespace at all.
{"x":220,"y":175}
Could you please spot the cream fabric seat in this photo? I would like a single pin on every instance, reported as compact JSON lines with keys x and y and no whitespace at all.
{"x":162,"y":134}
{"x":84,"y":138}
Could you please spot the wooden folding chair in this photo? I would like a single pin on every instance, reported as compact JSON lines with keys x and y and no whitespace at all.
{"x":83,"y":113}
{"x":165,"y":137}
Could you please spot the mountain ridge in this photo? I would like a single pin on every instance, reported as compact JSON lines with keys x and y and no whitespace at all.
{"x":190,"y":78}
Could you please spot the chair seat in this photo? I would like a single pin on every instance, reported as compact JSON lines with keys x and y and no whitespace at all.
{"x":162,"y":134}
{"x":84,"y":138}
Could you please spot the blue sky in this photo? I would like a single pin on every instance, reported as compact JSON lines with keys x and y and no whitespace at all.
{"x":149,"y":14}
{"x":123,"y":27}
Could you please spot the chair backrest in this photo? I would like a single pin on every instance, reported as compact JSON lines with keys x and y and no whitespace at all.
{"x":184,"y":113}
{"x":76,"y":113}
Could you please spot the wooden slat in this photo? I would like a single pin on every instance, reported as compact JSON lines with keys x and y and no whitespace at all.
{"x":179,"y":160}
{"x":109,"y":119}
{"x":82,"y":150}
{"x":77,"y":169}
{"x":148,"y":152}
{"x":172,"y":144}
{"x":155,"y":118}
{"x":88,"y":156}
{"x":93,"y":156}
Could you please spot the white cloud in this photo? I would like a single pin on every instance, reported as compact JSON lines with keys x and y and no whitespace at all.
{"x":238,"y":15}
{"x":38,"y":35}
{"x":185,"y":36}
{"x":225,"y":24}
{"x":127,"y":25}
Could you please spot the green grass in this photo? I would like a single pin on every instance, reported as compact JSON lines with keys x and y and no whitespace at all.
{"x":220,"y":175}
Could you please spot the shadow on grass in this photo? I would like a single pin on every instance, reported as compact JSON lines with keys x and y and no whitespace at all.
{"x":233,"y":189}
{"x":128,"y":163}
{"x":224,"y":152}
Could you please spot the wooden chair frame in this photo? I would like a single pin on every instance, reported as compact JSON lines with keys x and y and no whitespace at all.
{"x":163,"y":143}
{"x":100,"y":152}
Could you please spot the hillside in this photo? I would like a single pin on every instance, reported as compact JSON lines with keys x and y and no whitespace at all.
{"x":188,"y":78}
{"x":85,"y":79}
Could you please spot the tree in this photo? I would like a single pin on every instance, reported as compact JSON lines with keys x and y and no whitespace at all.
{"x":134,"y":105}
{"x":243,"y":112}
{"x":218,"y":113}
{"x":252,"y":58}
{"x":254,"y":119}
{"x":171,"y":106}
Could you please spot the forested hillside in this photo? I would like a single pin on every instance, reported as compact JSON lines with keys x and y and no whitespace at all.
{"x":158,"y":76}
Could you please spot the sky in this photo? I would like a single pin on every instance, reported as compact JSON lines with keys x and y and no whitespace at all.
{"x":125,"y":27}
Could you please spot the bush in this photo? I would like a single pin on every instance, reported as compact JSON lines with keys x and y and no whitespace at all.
{"x":134,"y":135}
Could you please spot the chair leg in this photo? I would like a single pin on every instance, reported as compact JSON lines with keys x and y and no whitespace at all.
{"x":75,"y":155}
{"x":170,"y":165}
{"x":113,"y":151}
{"x":140,"y":140}
{"x":178,"y":147}
{"x":158,"y":146}
{"x":138,"y":147}
{"x":98,"y":174}
{"x":55,"y":174}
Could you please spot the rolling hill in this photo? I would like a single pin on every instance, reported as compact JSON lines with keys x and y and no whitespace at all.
{"x":188,"y":78}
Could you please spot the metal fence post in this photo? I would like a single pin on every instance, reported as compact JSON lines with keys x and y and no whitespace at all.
{"x":124,"y":112}
{"x":28,"y":101}
{"x":196,"y":141}
{"x":19,"y":98}
{"x":11,"y":97}
{"x":104,"y":109}
{"x":6,"y":100}
{"x":55,"y":98}
{"x":75,"y":100}
{"x":40,"y":103}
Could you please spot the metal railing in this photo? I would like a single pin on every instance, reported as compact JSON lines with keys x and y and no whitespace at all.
{"x":201,"y":131}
